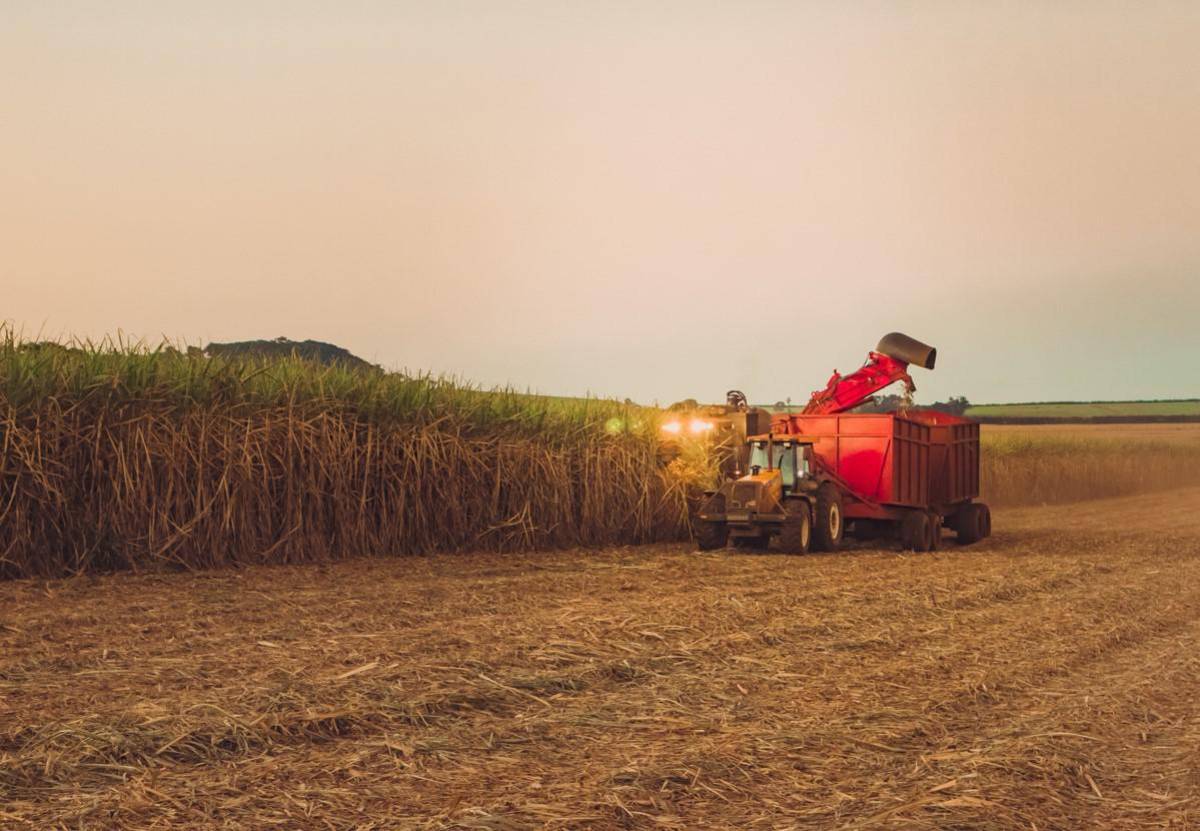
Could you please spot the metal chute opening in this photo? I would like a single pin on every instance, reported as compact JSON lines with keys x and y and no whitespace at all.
{"x":910,"y":350}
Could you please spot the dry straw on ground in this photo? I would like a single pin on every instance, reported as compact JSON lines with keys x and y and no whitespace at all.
{"x":1044,"y":678}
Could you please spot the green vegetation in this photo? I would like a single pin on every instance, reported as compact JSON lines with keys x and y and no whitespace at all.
{"x":955,"y":405}
{"x":282,"y":348}
{"x":238,"y":381}
{"x":1087,"y":409}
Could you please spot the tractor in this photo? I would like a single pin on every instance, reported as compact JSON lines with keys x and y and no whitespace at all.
{"x":783,"y":495}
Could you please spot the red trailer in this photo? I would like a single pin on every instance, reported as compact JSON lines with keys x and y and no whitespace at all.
{"x":911,"y":472}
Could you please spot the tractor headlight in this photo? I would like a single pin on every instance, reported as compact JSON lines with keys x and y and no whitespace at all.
{"x":698,"y":426}
{"x":673,"y":427}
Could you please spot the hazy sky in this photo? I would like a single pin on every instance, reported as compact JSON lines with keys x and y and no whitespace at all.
{"x":645,"y":199}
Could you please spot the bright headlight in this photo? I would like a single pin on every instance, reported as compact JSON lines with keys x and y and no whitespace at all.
{"x":699,"y":425}
{"x":672,"y":427}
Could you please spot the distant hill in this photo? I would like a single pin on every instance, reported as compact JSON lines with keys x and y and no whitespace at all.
{"x":310,"y":350}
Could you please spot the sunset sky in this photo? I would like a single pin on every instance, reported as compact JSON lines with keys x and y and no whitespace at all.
{"x":656,"y":200}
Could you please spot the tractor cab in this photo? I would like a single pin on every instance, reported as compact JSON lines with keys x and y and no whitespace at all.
{"x":777,"y":468}
{"x":778,"y":495}
{"x":790,"y":456}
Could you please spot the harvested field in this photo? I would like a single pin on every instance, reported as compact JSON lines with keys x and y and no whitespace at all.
{"x":1046,"y":678}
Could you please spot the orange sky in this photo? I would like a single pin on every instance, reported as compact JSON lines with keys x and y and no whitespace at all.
{"x":654,"y":200}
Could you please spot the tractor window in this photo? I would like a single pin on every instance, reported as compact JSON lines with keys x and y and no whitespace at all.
{"x":758,"y":455}
{"x":785,"y":459}
{"x":793,"y":464}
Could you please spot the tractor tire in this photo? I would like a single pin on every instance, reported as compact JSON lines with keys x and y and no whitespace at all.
{"x":795,"y":536}
{"x":969,"y":524}
{"x":915,"y":531}
{"x":830,"y":524}
{"x":935,"y":531}
{"x":711,"y":535}
{"x":985,"y":526}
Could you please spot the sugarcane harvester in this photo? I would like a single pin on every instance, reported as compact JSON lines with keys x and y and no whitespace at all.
{"x":811,"y":477}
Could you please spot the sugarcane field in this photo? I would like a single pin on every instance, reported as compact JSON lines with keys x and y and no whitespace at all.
{"x":593,"y":416}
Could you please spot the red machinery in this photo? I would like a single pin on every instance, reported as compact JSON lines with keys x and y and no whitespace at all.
{"x":886,"y":365}
{"x":910,"y":471}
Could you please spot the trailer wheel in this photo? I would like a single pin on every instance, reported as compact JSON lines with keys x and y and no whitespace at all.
{"x":914,"y":531}
{"x":795,"y":536}
{"x":711,"y":535}
{"x":830,"y":523}
{"x":969,"y":524}
{"x":985,"y":526}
